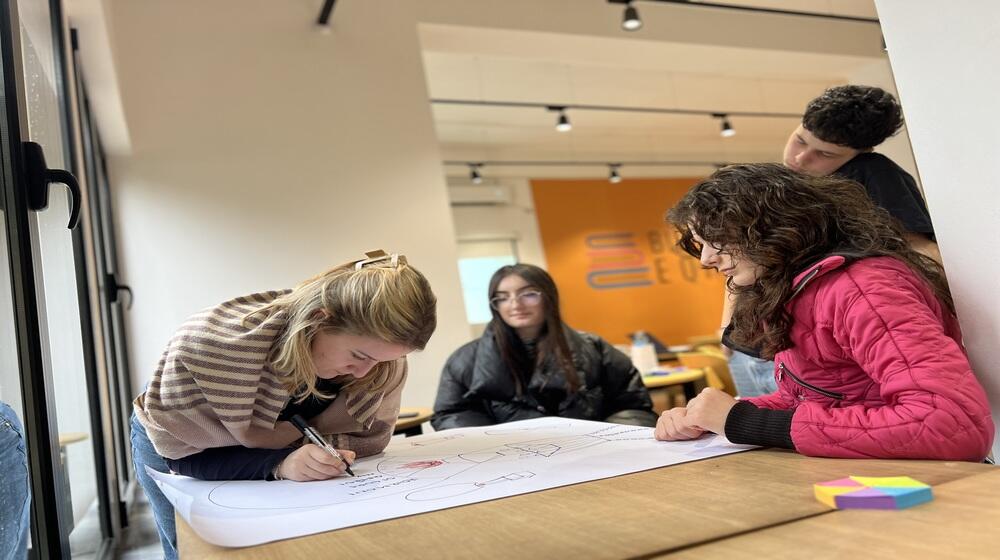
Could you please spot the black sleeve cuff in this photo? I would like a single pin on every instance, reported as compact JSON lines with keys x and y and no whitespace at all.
{"x":230,"y":463}
{"x":749,"y":425}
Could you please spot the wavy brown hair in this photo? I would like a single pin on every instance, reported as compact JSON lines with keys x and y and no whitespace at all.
{"x":551,"y":341}
{"x":784,"y":222}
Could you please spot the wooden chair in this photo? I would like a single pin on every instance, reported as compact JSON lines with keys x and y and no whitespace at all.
{"x":696,"y":341}
{"x":716,"y":369}
{"x":713,"y":349}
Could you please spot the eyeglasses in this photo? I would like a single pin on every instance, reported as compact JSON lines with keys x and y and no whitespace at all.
{"x":525,"y":298}
{"x":380,"y":258}
{"x":699,"y":248}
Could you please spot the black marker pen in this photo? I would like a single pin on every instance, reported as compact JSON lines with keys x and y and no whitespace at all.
{"x":310,"y":433}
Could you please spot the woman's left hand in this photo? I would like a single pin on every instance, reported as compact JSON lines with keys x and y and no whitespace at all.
{"x":709,"y":410}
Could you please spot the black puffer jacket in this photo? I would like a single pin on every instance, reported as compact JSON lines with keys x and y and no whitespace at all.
{"x":476,"y":388}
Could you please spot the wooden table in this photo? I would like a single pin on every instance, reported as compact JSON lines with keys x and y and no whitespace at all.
{"x":412,"y":426}
{"x":687,"y":379}
{"x":963,"y":521}
{"x":66,"y":438}
{"x":643,"y":514}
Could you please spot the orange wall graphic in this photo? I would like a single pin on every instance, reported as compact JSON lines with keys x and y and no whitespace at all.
{"x":615,"y":260}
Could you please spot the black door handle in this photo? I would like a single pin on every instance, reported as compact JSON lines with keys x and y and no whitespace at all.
{"x":113,"y":287}
{"x":39,"y":176}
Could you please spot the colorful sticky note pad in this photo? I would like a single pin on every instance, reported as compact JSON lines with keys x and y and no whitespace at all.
{"x":870,"y":492}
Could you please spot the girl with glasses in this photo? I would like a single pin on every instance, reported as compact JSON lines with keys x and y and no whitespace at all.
{"x":332,"y":350}
{"x":528,"y":364}
{"x":870,"y":362}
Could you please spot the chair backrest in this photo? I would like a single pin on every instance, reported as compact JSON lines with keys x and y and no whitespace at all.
{"x":703,"y":339}
{"x":716,"y":369}
{"x":713,"y":349}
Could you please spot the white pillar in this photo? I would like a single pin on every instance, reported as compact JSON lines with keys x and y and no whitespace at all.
{"x":944,"y":57}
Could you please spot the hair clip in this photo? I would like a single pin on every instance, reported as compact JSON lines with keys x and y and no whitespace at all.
{"x":379,"y":256}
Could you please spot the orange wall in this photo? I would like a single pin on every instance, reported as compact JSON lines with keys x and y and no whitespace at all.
{"x":613,"y":257}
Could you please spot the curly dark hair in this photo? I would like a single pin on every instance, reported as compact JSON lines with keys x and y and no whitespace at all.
{"x":552,"y":339}
{"x":860,"y":117}
{"x":784,"y":222}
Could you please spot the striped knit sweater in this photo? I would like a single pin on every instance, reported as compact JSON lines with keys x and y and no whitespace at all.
{"x":214,"y":386}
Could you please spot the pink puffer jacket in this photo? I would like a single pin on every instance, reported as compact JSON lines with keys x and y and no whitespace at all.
{"x":877,"y":368}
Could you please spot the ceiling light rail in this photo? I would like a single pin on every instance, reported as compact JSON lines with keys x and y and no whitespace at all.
{"x":632,"y":22}
{"x":583,"y":163}
{"x":614,"y":168}
{"x":325,"y":13}
{"x":563,"y":107}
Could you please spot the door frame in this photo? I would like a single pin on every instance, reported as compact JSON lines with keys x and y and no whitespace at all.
{"x":108,"y":499}
{"x":115,"y":389}
{"x":49,"y":528}
{"x":48,"y":541}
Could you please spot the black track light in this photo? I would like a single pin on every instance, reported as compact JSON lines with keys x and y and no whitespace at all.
{"x":726,"y":129}
{"x":563,"y":124}
{"x":630,"y":20}
{"x":613,"y":175}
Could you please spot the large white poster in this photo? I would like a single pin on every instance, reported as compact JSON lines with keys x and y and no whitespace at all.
{"x":427,"y":473}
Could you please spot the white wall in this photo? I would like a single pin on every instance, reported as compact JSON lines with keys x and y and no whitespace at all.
{"x":944,"y":61}
{"x":264,"y":152}
{"x":91,"y":19}
{"x":516,"y":220}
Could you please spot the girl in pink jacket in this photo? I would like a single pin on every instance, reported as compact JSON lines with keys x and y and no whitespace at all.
{"x":868,"y":352}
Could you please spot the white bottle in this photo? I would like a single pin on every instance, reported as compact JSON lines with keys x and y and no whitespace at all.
{"x":643,"y":353}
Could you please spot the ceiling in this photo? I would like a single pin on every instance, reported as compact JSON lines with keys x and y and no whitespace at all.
{"x":718,"y":60}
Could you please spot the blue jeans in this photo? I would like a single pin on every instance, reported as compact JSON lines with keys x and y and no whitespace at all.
{"x":753,"y":377}
{"x":15,"y":492}
{"x":143,"y":455}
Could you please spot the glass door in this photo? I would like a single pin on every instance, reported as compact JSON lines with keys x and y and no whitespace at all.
{"x":49,"y":293}
{"x":22,"y":383}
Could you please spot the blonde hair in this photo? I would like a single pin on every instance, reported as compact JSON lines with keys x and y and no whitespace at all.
{"x":383,"y":298}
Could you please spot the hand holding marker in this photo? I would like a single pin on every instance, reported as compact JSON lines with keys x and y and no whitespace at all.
{"x":314,"y":437}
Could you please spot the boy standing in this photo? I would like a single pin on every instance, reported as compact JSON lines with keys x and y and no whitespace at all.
{"x":839,"y":129}
{"x":838,"y":132}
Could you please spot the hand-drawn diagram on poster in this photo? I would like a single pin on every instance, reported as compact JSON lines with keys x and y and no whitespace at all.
{"x":427,"y":473}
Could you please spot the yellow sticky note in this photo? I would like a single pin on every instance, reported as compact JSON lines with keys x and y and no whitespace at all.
{"x":889,"y":481}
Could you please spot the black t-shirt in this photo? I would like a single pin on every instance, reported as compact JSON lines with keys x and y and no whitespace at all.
{"x":891,"y":188}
